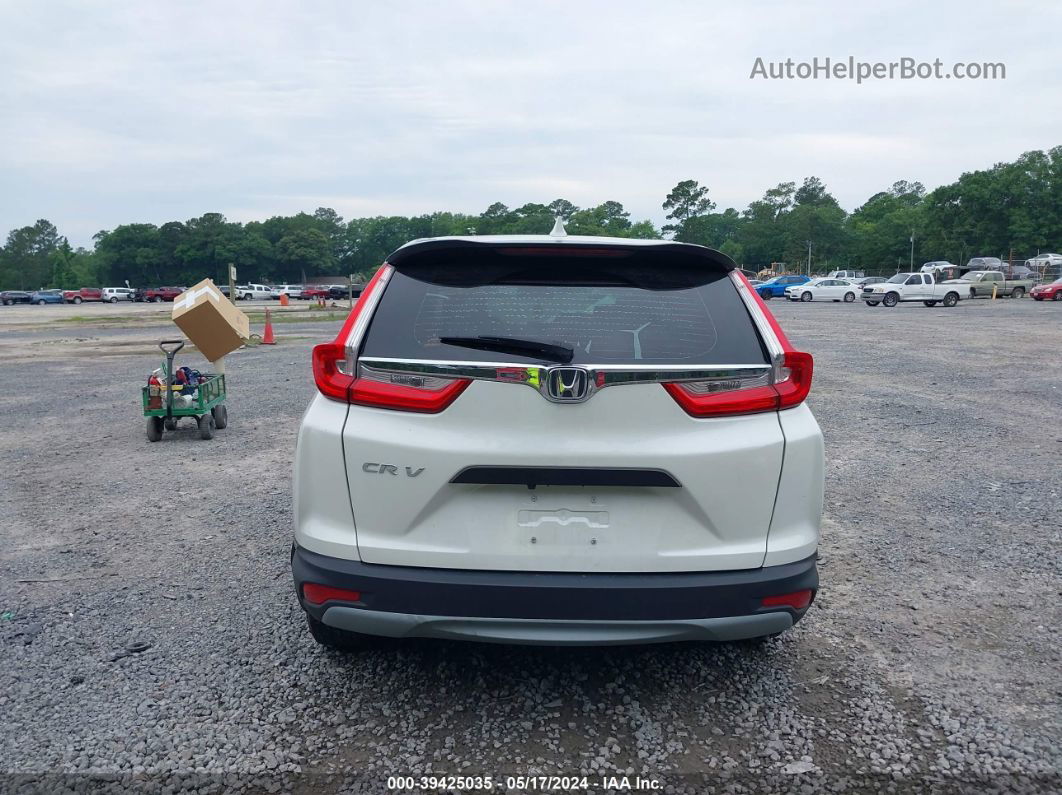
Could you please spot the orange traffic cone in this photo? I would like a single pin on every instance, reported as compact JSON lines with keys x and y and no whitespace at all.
{"x":267,"y":335}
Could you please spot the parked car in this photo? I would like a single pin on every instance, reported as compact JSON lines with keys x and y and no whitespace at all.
{"x":985,"y":264}
{"x":115,"y":294}
{"x":9,"y":297}
{"x":312,"y":292}
{"x":290,"y":290}
{"x":157,"y":294}
{"x":912,"y":287}
{"x":755,"y":282}
{"x":1045,"y":263}
{"x":94,"y":294}
{"x":936,"y":265}
{"x":252,"y":292}
{"x":775,"y":288}
{"x":42,"y":297}
{"x":983,"y":283}
{"x":823,"y":290}
{"x":490,"y":499}
{"x":1048,"y":292}
{"x":845,"y":275}
{"x":943,"y":271}
{"x":338,"y":292}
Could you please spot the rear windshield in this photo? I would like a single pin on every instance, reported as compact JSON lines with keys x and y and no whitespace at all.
{"x":682,"y":317}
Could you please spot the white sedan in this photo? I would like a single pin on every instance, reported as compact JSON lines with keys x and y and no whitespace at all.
{"x":823,"y":290}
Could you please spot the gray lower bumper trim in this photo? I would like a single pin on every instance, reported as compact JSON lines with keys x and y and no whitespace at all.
{"x":551,"y":632}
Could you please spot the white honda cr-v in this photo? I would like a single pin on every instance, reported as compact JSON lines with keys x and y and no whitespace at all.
{"x":557,"y":440}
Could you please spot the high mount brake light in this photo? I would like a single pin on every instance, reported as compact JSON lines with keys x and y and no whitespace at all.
{"x":791,"y":388}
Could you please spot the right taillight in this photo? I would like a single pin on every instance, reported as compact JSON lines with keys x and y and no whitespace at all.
{"x":713,"y":399}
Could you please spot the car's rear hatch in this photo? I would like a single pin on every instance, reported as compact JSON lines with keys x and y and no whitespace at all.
{"x":466,"y":447}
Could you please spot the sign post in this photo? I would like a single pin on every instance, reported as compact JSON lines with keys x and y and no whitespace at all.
{"x":232,"y":283}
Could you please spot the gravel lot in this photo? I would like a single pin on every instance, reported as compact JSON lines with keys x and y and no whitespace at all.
{"x":930,"y":661}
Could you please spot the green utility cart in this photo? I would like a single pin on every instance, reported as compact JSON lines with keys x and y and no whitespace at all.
{"x":207,"y":407}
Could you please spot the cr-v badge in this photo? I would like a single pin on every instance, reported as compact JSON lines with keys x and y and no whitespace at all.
{"x":389,"y":469}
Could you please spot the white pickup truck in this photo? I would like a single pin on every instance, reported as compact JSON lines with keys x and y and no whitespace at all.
{"x":912,"y":287}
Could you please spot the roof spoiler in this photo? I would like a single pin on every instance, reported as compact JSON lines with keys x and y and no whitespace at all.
{"x":436,"y":251}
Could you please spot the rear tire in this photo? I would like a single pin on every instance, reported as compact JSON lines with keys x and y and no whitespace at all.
{"x":221,"y":416}
{"x":113,"y":300}
{"x":206,"y":427}
{"x":154,"y":428}
{"x":849,"y":297}
{"x":337,"y":639}
{"x":930,"y":303}
{"x":1058,"y":296}
{"x":42,"y":302}
{"x":765,"y":296}
{"x":158,"y":299}
{"x":806,"y":296}
{"x":951,"y":299}
{"x":873,"y":303}
{"x":890,"y":299}
{"x":1018,"y":292}
{"x":77,"y":300}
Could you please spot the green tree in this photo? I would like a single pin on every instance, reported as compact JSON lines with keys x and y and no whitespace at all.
{"x":562,"y":208}
{"x":687,"y":201}
{"x":26,"y":257}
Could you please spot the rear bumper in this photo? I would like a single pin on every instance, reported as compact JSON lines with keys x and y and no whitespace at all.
{"x":553,"y":608}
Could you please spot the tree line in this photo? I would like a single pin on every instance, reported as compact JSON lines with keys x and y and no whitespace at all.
{"x":1010,"y":207}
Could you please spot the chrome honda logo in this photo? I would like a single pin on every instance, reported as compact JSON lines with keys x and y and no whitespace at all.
{"x":567,"y":384}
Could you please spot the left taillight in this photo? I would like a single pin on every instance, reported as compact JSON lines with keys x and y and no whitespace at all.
{"x":379,"y":389}
{"x":329,"y":360}
{"x":791,"y":385}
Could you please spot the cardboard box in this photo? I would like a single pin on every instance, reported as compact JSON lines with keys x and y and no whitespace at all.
{"x":210,"y":321}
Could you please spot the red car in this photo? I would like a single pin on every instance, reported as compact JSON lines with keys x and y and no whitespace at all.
{"x":1048,"y":292}
{"x":313,"y":293}
{"x":84,"y":294}
{"x":157,"y":294}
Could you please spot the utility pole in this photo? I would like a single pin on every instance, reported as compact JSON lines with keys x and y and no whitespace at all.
{"x":350,"y":287}
{"x":912,"y":250}
{"x":809,"y":257}
{"x":232,"y":283}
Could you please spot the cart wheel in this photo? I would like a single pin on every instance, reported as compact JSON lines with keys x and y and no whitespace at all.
{"x":170,"y":423}
{"x":154,"y":428}
{"x":206,"y":426}
{"x":221,"y":416}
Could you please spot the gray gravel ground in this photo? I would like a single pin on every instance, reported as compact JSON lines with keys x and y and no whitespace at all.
{"x":930,"y":661}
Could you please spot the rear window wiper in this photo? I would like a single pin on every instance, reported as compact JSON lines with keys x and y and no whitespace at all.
{"x":530,"y":348}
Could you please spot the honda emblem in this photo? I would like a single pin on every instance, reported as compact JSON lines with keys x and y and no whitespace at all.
{"x":567,"y":384}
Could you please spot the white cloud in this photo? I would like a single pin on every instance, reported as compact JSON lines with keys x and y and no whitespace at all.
{"x":149,"y":111}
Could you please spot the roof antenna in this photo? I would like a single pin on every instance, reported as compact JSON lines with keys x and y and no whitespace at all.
{"x":558,"y":228}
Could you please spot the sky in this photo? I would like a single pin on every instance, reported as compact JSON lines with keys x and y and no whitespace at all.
{"x":151,"y":111}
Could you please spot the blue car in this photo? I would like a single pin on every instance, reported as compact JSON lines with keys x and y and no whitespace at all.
{"x":43,"y":297}
{"x":775,"y":288}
